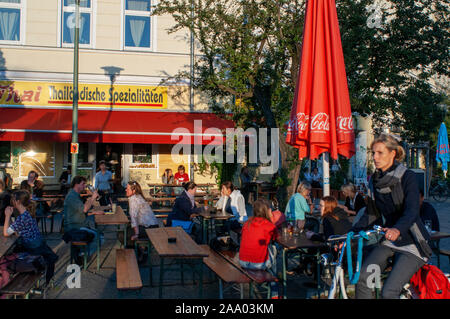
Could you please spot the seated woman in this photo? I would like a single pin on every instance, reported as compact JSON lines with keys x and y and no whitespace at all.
{"x":232,"y":202}
{"x":27,"y":229}
{"x":354,"y":201}
{"x":184,"y":211}
{"x":299,"y":204}
{"x":334,"y":218}
{"x":141,"y":214}
{"x":256,"y":251}
{"x":168,"y":178}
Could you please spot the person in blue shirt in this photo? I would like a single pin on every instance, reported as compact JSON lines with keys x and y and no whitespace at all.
{"x":299,"y":204}
{"x":25,"y":226}
{"x":102,"y":183}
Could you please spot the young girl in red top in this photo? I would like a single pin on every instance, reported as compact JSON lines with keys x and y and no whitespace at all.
{"x":256,"y":251}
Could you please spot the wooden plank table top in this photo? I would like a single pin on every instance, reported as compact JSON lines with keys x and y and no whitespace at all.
{"x":184,"y":247}
{"x":6,"y":243}
{"x":219,"y":216}
{"x":439,"y":235}
{"x":119,"y":218}
{"x":300,"y":242}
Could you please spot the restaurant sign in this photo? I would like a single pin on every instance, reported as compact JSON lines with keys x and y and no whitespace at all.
{"x":92,"y":96}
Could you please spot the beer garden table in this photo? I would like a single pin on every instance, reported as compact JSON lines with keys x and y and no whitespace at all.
{"x":184,"y":249}
{"x":6,"y":243}
{"x":211,"y":214}
{"x":118,"y":218}
{"x":436,"y":237}
{"x":291,"y":244}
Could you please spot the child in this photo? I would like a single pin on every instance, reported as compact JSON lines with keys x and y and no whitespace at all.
{"x":27,"y":229}
{"x":256,"y":251}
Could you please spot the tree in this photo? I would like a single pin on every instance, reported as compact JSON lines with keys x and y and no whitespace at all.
{"x":249,"y":51}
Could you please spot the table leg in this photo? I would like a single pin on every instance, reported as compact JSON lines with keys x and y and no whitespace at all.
{"x":200,"y":279}
{"x":318,"y":273}
{"x":284,"y":274}
{"x":161,"y":275}
{"x":220,"y":289}
{"x":204,"y":240}
{"x":98,"y":250}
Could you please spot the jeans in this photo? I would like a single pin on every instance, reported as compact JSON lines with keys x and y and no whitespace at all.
{"x":93,"y":243}
{"x":270,"y":265}
{"x":40,"y":247}
{"x":405,"y":266}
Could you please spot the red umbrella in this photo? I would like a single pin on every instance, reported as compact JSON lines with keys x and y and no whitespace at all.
{"x":321,"y":119}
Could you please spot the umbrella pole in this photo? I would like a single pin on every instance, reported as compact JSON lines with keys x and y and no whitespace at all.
{"x":326,"y":174}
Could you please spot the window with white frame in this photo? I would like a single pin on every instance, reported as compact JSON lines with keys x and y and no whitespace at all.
{"x":137,"y":24}
{"x":68,"y":22}
{"x":11,"y":21}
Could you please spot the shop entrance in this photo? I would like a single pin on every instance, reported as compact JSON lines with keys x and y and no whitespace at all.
{"x":111,"y":153}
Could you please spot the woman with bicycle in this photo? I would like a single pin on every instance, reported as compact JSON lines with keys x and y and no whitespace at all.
{"x":393,"y":203}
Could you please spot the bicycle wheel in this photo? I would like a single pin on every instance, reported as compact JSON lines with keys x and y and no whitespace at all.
{"x":439,"y":193}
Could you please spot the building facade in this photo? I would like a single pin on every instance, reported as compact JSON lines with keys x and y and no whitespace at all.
{"x":125,"y":55}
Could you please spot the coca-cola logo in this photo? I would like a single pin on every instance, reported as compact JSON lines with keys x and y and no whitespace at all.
{"x":302,"y":121}
{"x":320,"y":122}
{"x":344,"y":123}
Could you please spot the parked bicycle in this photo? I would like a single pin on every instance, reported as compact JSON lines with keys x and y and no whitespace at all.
{"x":440,"y":192}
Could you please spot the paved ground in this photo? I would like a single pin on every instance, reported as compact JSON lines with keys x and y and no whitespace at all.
{"x":102,"y":284}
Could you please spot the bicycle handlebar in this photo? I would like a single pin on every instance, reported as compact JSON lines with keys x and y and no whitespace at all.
{"x":376,"y":230}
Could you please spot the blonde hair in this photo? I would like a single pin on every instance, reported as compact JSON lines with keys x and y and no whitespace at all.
{"x":349,"y":187}
{"x":303,"y":186}
{"x":391,"y":144}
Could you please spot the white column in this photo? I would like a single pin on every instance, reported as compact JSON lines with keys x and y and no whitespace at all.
{"x":127,"y":158}
{"x":326,"y":174}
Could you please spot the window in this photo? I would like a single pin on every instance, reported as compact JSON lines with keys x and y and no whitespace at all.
{"x":83,"y":153}
{"x":11,"y":19}
{"x":68,"y":22}
{"x":5,"y":152}
{"x":37,"y":156}
{"x":137,"y":24}
{"x":142,"y":153}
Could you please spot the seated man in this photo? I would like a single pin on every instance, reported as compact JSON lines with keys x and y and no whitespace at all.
{"x":76,"y":214}
{"x":37,"y":186}
{"x":427,"y":212}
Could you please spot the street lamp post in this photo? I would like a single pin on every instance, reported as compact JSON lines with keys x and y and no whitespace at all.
{"x":75,"y":87}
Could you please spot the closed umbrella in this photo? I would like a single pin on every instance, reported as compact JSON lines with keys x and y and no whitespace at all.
{"x":442,"y":151}
{"x":321,"y":119}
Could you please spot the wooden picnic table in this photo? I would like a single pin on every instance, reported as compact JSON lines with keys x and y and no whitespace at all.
{"x":118,"y":218}
{"x":436,"y":237}
{"x":207,"y":216}
{"x":6,"y":243}
{"x":184,"y":249}
{"x":296,"y":244}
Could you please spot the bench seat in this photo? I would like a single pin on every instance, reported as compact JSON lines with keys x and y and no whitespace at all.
{"x":21,"y":284}
{"x":127,"y":270}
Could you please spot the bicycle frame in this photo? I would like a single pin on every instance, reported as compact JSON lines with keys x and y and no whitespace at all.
{"x":338,"y":278}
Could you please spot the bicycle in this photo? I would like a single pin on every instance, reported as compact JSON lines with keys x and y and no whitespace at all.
{"x":341,"y":243}
{"x":440,"y":192}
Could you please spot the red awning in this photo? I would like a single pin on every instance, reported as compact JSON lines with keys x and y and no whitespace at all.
{"x":19,"y":124}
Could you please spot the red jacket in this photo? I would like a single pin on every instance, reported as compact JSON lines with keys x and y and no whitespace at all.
{"x":256,"y":239}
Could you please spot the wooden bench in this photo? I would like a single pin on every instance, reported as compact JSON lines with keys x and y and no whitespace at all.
{"x":225,"y":271}
{"x":21,"y":285}
{"x":259,"y":277}
{"x":82,"y":245}
{"x":127,"y":270}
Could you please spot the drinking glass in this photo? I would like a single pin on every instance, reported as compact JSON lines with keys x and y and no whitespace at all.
{"x":428,"y":225}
